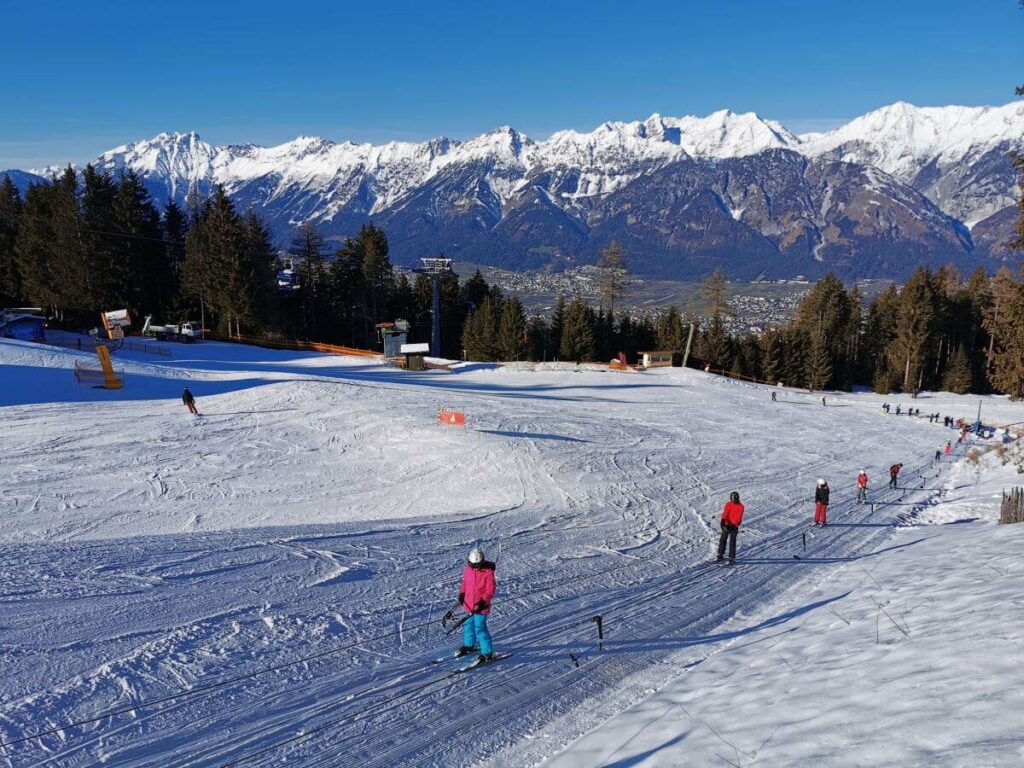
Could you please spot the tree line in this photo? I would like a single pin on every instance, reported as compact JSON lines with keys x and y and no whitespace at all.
{"x":89,"y":241}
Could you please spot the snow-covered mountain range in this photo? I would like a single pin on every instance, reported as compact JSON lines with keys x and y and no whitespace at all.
{"x":896,"y":187}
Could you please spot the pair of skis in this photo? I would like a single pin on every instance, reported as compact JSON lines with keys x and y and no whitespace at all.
{"x":477,"y":662}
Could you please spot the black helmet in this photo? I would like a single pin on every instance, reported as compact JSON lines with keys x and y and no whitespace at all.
{"x":734,"y":496}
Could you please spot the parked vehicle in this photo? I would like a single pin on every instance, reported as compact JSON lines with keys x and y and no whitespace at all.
{"x":184,"y":332}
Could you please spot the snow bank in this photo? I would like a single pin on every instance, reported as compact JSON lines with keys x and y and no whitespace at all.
{"x":911,"y":657}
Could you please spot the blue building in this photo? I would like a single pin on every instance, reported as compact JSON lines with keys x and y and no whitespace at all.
{"x":25,"y":327}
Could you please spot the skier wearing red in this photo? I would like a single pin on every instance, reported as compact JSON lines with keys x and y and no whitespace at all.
{"x":948,"y":449}
{"x":820,"y":502}
{"x":862,"y":487}
{"x":478,"y":588}
{"x":732,"y":516}
{"x":189,"y":401}
{"x":894,"y":472}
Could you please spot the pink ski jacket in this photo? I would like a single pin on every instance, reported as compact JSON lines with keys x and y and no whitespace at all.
{"x":478,"y":584}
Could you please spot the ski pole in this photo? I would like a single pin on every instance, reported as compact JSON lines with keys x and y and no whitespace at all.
{"x":599,"y":620}
{"x":600,"y":632}
{"x":450,"y":615}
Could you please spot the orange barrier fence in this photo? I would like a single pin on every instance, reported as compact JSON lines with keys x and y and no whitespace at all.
{"x":451,"y":418}
{"x":312,"y":346}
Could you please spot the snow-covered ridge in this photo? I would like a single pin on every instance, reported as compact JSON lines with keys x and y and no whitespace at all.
{"x":901,"y":137}
{"x":314,"y":178}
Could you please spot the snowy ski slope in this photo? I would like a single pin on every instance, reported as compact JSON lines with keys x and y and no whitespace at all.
{"x":265,"y":583}
{"x":908,"y":657}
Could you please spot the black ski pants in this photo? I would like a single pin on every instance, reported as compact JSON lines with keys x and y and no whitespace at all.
{"x":728,"y":534}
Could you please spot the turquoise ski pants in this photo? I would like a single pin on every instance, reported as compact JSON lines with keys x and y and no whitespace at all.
{"x":475,"y":631}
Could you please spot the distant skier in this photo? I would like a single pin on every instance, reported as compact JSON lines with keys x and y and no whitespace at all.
{"x":732,"y":516}
{"x":938,"y":453}
{"x":948,"y":450}
{"x":820,"y":502}
{"x":189,"y":401}
{"x":862,"y":487}
{"x":894,"y":473}
{"x":897,"y":409}
{"x":823,"y":401}
{"x":476,"y":594}
{"x":774,"y":399}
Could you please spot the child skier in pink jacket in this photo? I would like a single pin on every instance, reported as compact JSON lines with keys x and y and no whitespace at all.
{"x":478,"y":588}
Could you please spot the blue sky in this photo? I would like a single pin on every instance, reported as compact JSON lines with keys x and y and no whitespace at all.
{"x":80,"y":78}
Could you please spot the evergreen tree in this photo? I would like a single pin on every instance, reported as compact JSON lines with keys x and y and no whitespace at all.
{"x":307,"y":248}
{"x":150,"y":281}
{"x":613,"y":276}
{"x":556,"y":329}
{"x":854,"y":337}
{"x":879,"y":330}
{"x":10,"y":220}
{"x":512,"y":339}
{"x":346,"y":291}
{"x":260,"y":254}
{"x":716,"y":344}
{"x":771,"y":355}
{"x":474,"y":290}
{"x":671,"y":336}
{"x":100,"y":263}
{"x":819,"y":363}
{"x":825,"y":317}
{"x":957,"y":377}
{"x":577,"y":333}
{"x":997,"y":314}
{"x":977,"y":295}
{"x":227,"y":266}
{"x":795,"y":349}
{"x":1008,"y":358}
{"x":33,"y":253}
{"x":747,"y":357}
{"x":480,"y":335}
{"x":378,"y":274}
{"x":914,"y":326}
{"x":537,"y":333}
{"x":403,"y":303}
{"x":175,"y":226}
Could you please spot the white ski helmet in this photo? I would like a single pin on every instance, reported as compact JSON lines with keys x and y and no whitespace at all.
{"x":863,"y":472}
{"x":476,"y":555}
{"x":821,"y":481}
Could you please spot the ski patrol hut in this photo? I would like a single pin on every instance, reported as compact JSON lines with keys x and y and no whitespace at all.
{"x":415,"y":356}
{"x":393,"y":336}
{"x":656,"y":359}
{"x":23,"y":325}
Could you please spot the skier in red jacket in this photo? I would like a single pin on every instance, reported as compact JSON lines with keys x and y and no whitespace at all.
{"x":862,"y":487}
{"x":894,"y":472}
{"x":478,"y":588}
{"x":732,"y":516}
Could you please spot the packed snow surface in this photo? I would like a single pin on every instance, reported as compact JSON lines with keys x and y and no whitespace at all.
{"x":264,"y":584}
{"x":907,"y":656}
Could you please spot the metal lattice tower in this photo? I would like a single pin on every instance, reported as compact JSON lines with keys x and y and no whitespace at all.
{"x":435,"y":268}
